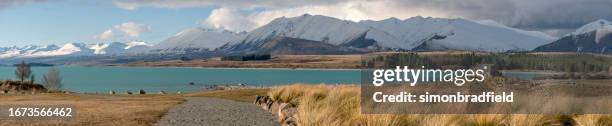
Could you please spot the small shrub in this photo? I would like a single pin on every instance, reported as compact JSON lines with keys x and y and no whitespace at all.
{"x":52,"y":80}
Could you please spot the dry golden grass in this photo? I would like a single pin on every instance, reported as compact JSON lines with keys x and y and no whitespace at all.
{"x":136,"y":110}
{"x":340,"y":105}
{"x":242,"y":95}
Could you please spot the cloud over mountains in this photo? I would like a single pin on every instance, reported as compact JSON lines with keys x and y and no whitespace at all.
{"x":546,"y":15}
{"x":129,"y":30}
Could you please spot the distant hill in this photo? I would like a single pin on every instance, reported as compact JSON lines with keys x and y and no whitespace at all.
{"x":294,"y":46}
{"x":595,"y":37}
{"x":37,"y":65}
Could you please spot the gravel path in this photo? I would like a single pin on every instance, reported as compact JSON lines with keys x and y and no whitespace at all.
{"x":202,"y":111}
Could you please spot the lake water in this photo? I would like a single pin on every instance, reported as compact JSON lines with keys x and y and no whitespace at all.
{"x":526,"y":75}
{"x":104,"y":79}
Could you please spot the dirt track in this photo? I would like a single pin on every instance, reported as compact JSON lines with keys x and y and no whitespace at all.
{"x":201,"y":111}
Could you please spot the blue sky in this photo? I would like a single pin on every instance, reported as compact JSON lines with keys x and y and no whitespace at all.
{"x":72,"y":21}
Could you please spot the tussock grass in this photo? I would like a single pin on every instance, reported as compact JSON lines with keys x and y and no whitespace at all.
{"x":331,"y":105}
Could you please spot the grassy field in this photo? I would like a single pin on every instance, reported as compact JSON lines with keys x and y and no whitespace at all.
{"x":340,"y":105}
{"x":136,"y":110}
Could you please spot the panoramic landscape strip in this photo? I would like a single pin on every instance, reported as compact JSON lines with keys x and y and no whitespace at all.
{"x":306,"y":63}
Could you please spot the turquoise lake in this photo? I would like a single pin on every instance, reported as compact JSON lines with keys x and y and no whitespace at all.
{"x":104,"y":79}
{"x":155,"y":79}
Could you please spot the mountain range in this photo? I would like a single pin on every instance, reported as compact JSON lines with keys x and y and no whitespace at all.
{"x":316,"y":34}
{"x":417,"y":34}
{"x":74,"y":49}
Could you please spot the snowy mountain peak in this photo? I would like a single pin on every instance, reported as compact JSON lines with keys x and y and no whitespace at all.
{"x":108,"y":48}
{"x":601,"y":28}
{"x":310,"y":27}
{"x":197,"y":38}
{"x":594,"y":37}
{"x":600,"y":24}
{"x":134,"y":44}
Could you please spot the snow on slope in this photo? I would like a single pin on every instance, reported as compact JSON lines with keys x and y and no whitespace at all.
{"x":595,"y":25}
{"x":601,"y":27}
{"x":459,"y":34}
{"x":316,"y":28}
{"x":467,"y":35}
{"x":136,"y":47}
{"x":8,"y":52}
{"x":456,"y":34}
{"x":112,"y":48}
{"x":119,"y":48}
{"x":530,"y":33}
{"x":73,"y":49}
{"x":197,"y":38}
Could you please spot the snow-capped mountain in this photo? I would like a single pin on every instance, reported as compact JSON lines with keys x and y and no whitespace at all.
{"x":600,"y":25}
{"x":73,"y":49}
{"x":458,"y":34}
{"x":309,"y":34}
{"x":7,"y":52}
{"x":196,"y":39}
{"x":112,"y":48}
{"x":119,"y":48}
{"x":594,"y":37}
{"x":415,"y":33}
{"x":136,"y":47}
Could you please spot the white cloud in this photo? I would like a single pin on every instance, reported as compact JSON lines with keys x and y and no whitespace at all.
{"x":132,"y":29}
{"x":244,"y":4}
{"x":230,"y":19}
{"x":106,"y":35}
{"x":236,"y":20}
{"x":129,"y":30}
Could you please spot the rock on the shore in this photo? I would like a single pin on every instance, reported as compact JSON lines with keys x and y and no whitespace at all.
{"x":142,"y":92}
{"x":285,"y":112}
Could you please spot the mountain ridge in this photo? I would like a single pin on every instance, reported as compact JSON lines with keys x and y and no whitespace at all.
{"x":395,"y":34}
{"x":594,"y":37}
{"x":392,"y":34}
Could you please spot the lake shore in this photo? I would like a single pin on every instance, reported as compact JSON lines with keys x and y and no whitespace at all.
{"x":279,"y":61}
